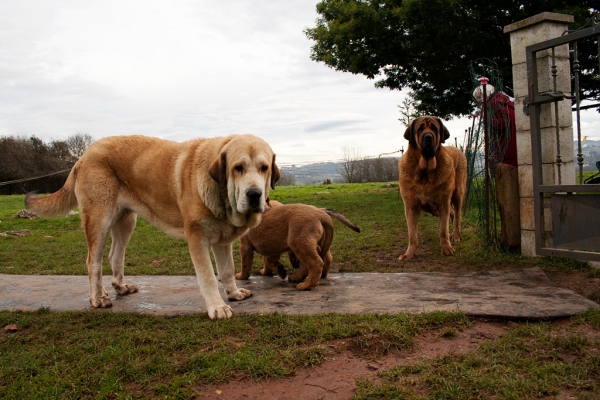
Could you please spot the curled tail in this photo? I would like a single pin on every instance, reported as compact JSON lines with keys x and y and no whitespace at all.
{"x":57,"y":203}
{"x":341,"y":218}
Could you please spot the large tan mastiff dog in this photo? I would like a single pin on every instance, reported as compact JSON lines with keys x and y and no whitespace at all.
{"x":206,"y":191}
{"x":432,"y":179}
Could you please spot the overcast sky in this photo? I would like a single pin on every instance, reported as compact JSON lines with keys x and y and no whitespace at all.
{"x":185,"y":69}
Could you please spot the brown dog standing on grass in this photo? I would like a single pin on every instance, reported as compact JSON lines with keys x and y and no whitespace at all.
{"x":304,"y":231}
{"x":432,"y":179}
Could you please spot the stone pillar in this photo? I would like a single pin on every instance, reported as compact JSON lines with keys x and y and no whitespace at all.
{"x":536,"y":29}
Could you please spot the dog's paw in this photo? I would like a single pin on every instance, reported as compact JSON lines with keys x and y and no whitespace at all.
{"x":266,"y":272}
{"x":406,"y":257}
{"x":101,"y":302}
{"x":125,"y":289}
{"x":240,"y":294}
{"x":448,"y":250}
{"x":296,"y":277}
{"x":222,"y":311}
{"x":242,"y":276}
{"x":456,"y":237}
{"x":304,"y":286}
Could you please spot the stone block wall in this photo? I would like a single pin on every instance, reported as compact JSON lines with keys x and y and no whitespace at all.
{"x":533,"y":30}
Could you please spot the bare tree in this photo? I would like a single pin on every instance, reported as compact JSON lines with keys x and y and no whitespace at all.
{"x":380,"y":169}
{"x":78,"y":143}
{"x":350,"y":164}
{"x":357,"y":169}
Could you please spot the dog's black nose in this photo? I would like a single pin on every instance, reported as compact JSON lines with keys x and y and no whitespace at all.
{"x":428,"y":145}
{"x":254,"y":196}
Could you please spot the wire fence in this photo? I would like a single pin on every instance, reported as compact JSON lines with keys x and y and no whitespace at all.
{"x":34,"y":178}
{"x":485,"y":145}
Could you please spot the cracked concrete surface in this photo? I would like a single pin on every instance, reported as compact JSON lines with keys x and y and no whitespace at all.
{"x":525,"y":293}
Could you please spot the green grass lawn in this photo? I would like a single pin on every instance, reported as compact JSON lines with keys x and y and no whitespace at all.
{"x":57,"y":245}
{"x":116,"y":355}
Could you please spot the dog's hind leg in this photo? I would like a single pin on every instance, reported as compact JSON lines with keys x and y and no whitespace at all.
{"x":300,"y":274}
{"x":121,"y":233}
{"x":96,"y":232}
{"x":314,"y":264}
{"x":456,"y":217}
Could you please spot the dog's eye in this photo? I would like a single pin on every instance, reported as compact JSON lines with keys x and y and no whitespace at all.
{"x":239,"y":168}
{"x":264,"y":168}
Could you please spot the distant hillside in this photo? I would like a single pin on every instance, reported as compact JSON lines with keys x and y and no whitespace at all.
{"x":591,"y":153}
{"x":314,"y":173}
{"x":320,"y":172}
{"x":366,"y":170}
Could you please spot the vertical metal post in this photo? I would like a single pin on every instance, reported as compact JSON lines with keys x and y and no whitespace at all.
{"x":558,"y":156}
{"x":484,"y":81}
{"x":577,"y":113}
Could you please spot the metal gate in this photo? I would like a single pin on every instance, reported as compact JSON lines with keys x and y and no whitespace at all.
{"x":574,"y":208}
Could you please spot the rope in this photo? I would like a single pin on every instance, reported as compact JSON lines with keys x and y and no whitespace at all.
{"x":31,"y":179}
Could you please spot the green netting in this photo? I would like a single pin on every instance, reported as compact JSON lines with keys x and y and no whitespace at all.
{"x":476,"y":201}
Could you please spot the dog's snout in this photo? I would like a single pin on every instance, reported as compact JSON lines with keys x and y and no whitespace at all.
{"x":428,"y":145}
{"x":254,"y":196}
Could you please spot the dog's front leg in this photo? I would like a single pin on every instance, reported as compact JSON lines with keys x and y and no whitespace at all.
{"x":224,"y":258}
{"x":209,"y":287}
{"x":447,"y":248}
{"x":412,"y":220}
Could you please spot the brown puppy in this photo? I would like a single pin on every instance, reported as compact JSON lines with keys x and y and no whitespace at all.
{"x":277,"y":268}
{"x":206,"y":191}
{"x":305,"y":230}
{"x":433,"y":179}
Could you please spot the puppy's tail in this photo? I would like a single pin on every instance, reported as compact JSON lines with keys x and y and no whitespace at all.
{"x":341,"y":218}
{"x":58,"y":203}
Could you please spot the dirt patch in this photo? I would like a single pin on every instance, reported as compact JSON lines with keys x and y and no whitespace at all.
{"x":579,"y":282}
{"x":335,"y":378}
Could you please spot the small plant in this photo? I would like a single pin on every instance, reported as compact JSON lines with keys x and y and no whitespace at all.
{"x":448,"y":333}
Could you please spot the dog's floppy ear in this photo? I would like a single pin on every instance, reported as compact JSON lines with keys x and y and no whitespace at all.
{"x":218,"y":170}
{"x":275,"y":173}
{"x":409,"y":133}
{"x":444,"y":134}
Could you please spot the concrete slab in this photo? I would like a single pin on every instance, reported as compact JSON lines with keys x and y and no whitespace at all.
{"x":526,"y":293}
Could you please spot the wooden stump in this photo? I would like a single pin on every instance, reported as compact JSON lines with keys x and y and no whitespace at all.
{"x":507,"y":193}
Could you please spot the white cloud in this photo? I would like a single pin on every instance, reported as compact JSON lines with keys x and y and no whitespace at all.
{"x":180,"y":70}
{"x":184,"y":69}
